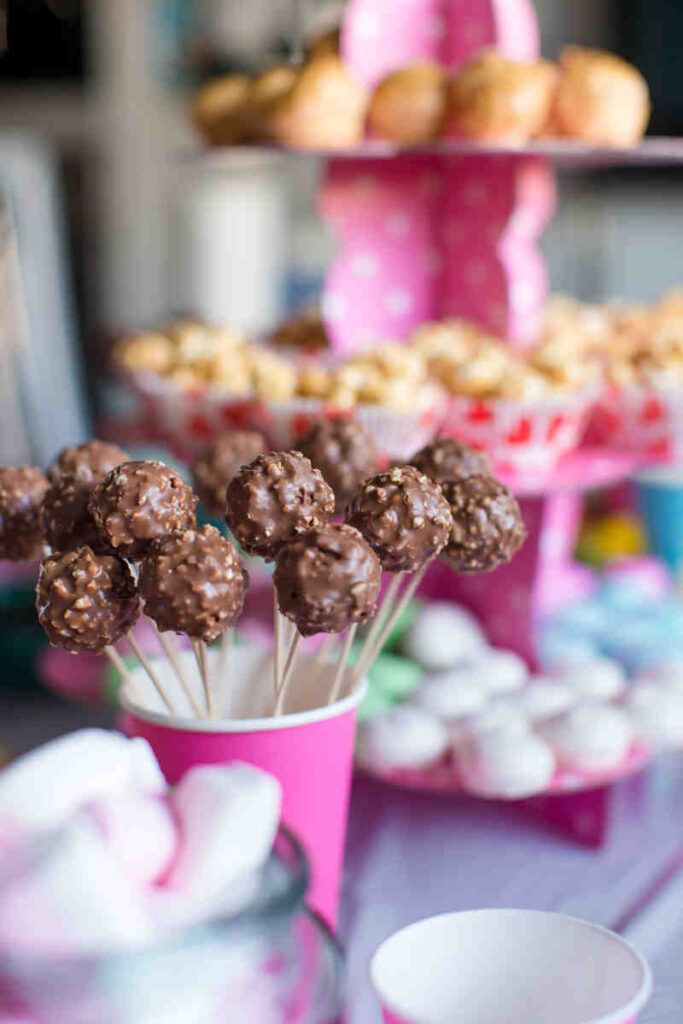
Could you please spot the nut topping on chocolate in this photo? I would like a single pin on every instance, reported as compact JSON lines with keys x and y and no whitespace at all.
{"x":327,"y":580}
{"x":448,"y":459}
{"x":487,"y":524}
{"x":193,"y":582}
{"x":89,"y":462}
{"x":218,"y":464}
{"x":85,"y":602}
{"x":138,"y":503}
{"x":344,"y":451}
{"x":403,"y":516}
{"x":66,"y":517}
{"x":21,"y":493}
{"x":274,"y":499}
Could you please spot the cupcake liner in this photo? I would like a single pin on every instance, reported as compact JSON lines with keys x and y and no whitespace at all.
{"x":520,"y":436}
{"x":187,"y":419}
{"x":641,"y":419}
{"x":397,"y":434}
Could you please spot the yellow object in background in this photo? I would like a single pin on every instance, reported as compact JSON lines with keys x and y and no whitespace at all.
{"x":616,"y":536}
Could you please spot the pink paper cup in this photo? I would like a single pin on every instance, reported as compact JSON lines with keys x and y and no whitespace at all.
{"x":309,"y":748}
{"x":517,"y":966}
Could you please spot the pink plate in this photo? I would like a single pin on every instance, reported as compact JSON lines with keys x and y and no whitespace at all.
{"x":443,"y":777}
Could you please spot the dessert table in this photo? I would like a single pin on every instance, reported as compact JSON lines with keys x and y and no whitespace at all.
{"x":410,"y":855}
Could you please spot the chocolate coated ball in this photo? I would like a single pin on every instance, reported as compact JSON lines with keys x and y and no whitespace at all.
{"x":448,"y":459}
{"x":85,"y":602}
{"x":345,"y":453}
{"x":487,"y":524}
{"x":403,"y":516}
{"x":274,"y":499}
{"x":21,"y":493}
{"x":220,"y":461}
{"x":138,"y":503}
{"x":193,"y":582}
{"x":327,"y":580}
{"x":90,"y":461}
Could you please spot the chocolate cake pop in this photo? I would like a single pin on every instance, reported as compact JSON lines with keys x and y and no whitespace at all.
{"x":403,"y":517}
{"x":21,"y":493}
{"x":65,"y":515}
{"x":193,"y":582}
{"x":85,"y":602}
{"x":327,"y":580}
{"x":487,"y":525}
{"x":449,"y":459}
{"x":274,"y":499}
{"x":138,"y":503}
{"x":89,"y":462}
{"x":344,"y":451}
{"x":220,"y":461}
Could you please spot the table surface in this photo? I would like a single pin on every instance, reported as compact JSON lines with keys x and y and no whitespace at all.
{"x":411,"y":855}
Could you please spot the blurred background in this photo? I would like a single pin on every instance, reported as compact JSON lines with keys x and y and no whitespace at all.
{"x":121,"y":224}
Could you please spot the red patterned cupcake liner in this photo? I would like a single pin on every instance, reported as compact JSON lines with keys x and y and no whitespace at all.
{"x":187,"y":419}
{"x":397,"y":434}
{"x":520,"y":436}
{"x":642,"y":419}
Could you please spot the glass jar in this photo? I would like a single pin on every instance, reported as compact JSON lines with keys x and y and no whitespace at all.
{"x":272,"y":963}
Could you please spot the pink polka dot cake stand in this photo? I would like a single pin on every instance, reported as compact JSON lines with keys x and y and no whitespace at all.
{"x":575,"y":803}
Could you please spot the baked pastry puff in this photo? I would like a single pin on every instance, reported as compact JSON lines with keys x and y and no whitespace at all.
{"x":324,"y":109}
{"x":265,"y":92}
{"x":217,"y":109}
{"x":408,"y":105}
{"x":600,"y":98}
{"x":493,"y":99}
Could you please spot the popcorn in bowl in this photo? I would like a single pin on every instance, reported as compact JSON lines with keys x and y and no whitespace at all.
{"x":641,"y":408}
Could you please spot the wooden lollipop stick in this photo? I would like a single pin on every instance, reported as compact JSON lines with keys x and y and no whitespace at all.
{"x":394,"y":616}
{"x":341,"y":664}
{"x":120,"y":666}
{"x":200,"y":657}
{"x":277,"y":656}
{"x":172,"y":655}
{"x":321,"y":658}
{"x":142,"y":658}
{"x":289,"y":665}
{"x":380,"y":616}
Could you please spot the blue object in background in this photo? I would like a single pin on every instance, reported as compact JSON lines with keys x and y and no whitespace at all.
{"x":660,"y":498}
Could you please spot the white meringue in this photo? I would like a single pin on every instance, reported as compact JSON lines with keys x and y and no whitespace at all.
{"x":506,"y":764}
{"x":499,"y":671}
{"x":450,"y":695}
{"x":544,"y":696}
{"x":657,"y":714}
{"x":500,"y":715}
{"x":590,"y":737}
{"x":443,"y":635}
{"x":403,"y":737}
{"x":594,"y":679}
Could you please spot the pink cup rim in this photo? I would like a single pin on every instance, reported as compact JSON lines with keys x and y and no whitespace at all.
{"x":621,"y":1015}
{"x":241,"y":725}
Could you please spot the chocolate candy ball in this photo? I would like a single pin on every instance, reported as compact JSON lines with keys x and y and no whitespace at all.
{"x":21,"y":493}
{"x":274,"y":499}
{"x":85,"y":602}
{"x":487,"y":525}
{"x":327,"y":580}
{"x":90,"y":461}
{"x":66,"y":517}
{"x":218,"y":464}
{"x":448,"y":459}
{"x":138,"y":503}
{"x":344,"y":451}
{"x":403,"y":516}
{"x":193,"y":582}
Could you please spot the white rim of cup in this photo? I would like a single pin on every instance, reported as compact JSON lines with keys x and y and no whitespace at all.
{"x":320,"y":714}
{"x":621,"y":1015}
